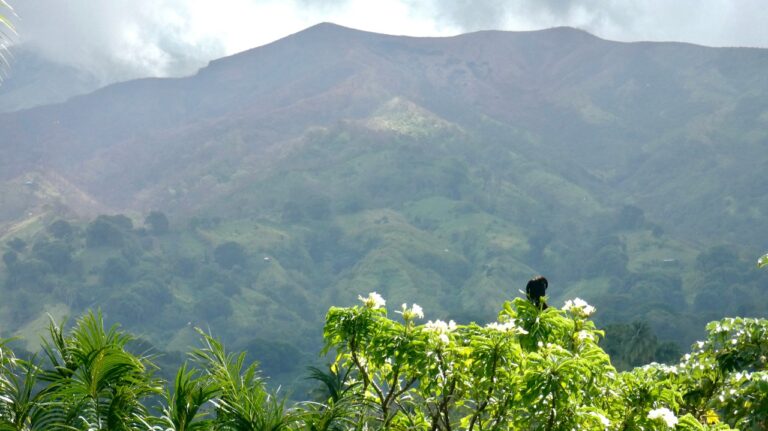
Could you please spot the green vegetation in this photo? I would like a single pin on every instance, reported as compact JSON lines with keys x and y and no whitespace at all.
{"x":262,"y":281}
{"x":476,"y":164}
{"x":530,"y":369}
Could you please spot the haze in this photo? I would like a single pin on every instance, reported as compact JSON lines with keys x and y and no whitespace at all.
{"x":118,"y":40}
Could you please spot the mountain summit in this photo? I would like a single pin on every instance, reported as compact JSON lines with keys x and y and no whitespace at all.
{"x":616,"y":112}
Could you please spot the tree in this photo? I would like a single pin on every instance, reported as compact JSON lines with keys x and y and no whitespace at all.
{"x":630,"y":217}
{"x":28,"y":273}
{"x":94,"y":382}
{"x":57,"y":254}
{"x":17,"y":244}
{"x":241,"y":400}
{"x":531,"y":369}
{"x":102,"y":233}
{"x":10,"y":257}
{"x":116,"y":270}
{"x":230,"y":254}
{"x":157,"y":222}
{"x":60,"y":229}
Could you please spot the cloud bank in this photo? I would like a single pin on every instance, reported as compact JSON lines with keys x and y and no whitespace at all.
{"x":121,"y":39}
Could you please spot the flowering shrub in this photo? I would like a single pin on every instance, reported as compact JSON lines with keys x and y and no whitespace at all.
{"x":532,"y":369}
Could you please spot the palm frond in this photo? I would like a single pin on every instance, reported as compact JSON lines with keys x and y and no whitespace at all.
{"x":190,"y":393}
{"x":94,"y":383}
{"x":7,"y":31}
{"x":242,"y":401}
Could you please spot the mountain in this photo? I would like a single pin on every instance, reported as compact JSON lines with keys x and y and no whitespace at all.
{"x":35,"y":81}
{"x":445,"y":171}
{"x":626,"y":115}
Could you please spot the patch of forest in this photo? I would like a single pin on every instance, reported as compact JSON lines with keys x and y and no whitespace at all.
{"x":263,"y":287}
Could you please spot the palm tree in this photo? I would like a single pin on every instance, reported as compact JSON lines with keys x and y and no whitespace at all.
{"x":7,"y":31}
{"x":640,"y":347}
{"x":94,"y":382}
{"x":19,"y":407}
{"x":241,"y":399}
{"x":336,"y":404}
{"x":190,"y":393}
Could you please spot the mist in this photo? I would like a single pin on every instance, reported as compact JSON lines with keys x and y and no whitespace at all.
{"x":120,"y":40}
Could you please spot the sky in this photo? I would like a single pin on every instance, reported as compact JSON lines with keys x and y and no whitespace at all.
{"x":121,"y":39}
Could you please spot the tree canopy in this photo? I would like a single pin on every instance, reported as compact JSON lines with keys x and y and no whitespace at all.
{"x":530,"y":369}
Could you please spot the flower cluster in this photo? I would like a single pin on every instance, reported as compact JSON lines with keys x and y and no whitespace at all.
{"x":441,"y":328}
{"x":373,"y":301}
{"x":579,"y":308}
{"x":508,"y":326}
{"x":415,"y":312}
{"x":664,"y":414}
{"x":664,"y":368}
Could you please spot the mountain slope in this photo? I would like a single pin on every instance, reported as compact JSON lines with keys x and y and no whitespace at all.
{"x":445,"y":171}
{"x":622,"y":113}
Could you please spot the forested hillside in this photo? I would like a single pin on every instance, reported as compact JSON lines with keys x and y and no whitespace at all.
{"x":275,"y":183}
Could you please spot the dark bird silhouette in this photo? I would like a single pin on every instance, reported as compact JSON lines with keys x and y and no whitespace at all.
{"x":535,"y":289}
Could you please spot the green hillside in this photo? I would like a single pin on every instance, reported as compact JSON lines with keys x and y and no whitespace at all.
{"x":441,"y":171}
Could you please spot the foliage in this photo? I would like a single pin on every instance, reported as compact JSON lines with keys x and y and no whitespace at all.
{"x":157,"y":222}
{"x":60,"y":229}
{"x":91,"y":382}
{"x":230,"y":254}
{"x":635,"y":344}
{"x":531,"y":369}
{"x":264,"y":287}
{"x":6,"y":30}
{"x":105,"y":232}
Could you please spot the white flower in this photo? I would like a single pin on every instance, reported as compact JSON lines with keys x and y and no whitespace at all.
{"x":496,"y":326}
{"x":664,"y":414}
{"x":373,"y":301}
{"x":440,"y":326}
{"x":410,"y":313}
{"x":585,"y":335}
{"x":579,"y":307}
{"x":603,"y":420}
{"x":506,"y":327}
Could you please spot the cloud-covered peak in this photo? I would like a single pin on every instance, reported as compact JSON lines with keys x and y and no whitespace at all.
{"x":121,"y":39}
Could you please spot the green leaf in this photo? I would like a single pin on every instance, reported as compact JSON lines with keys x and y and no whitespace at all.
{"x":763,"y":261}
{"x":689,"y":423}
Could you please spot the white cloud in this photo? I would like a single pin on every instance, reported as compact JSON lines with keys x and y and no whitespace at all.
{"x":119,"y":39}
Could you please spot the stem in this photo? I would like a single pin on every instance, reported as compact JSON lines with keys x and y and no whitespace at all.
{"x":366,"y":379}
{"x":552,"y":412}
{"x":444,"y":406}
{"x":491,"y":388}
{"x":386,"y":400}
